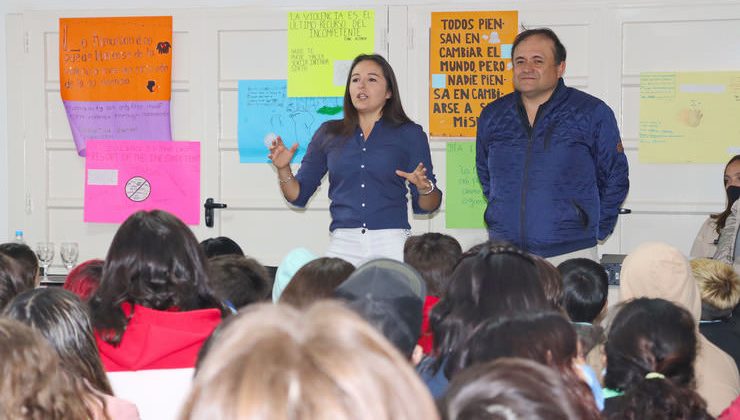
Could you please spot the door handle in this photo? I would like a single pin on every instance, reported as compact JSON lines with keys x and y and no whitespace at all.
{"x":209,"y":205}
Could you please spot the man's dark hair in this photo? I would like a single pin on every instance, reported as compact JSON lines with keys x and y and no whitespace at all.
{"x":238,"y":279}
{"x":221,"y":245}
{"x":26,"y":260}
{"x":434,"y":256}
{"x":585,"y":288}
{"x":558,"y":47}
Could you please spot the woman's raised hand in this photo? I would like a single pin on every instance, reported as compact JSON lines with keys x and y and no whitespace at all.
{"x":281,"y":155}
{"x":418,"y":177}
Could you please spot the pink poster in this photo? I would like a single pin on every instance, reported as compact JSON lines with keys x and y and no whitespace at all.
{"x":125,"y":176}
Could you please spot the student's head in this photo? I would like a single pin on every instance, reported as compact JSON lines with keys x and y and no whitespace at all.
{"x":731,"y":178}
{"x":544,"y":337}
{"x":392,"y":109}
{"x":434,"y":255}
{"x":495,"y":281}
{"x":63,"y":320}
{"x":238,"y":280}
{"x":585,"y":289}
{"x":315,"y":281}
{"x":154,"y":261}
{"x":32,"y":384}
{"x":719,"y":286}
{"x":508,"y":389}
{"x":84,"y":279}
{"x":650,"y":354}
{"x":275,"y":362}
{"x":291,"y":263}
{"x":26,"y":259}
{"x":650,"y":336}
{"x":390,"y":296}
{"x":552,"y":281}
{"x":220,"y":245}
{"x":11,"y":280}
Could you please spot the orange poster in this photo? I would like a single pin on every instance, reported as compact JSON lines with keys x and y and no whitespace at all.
{"x":115,"y":58}
{"x":469,"y":66}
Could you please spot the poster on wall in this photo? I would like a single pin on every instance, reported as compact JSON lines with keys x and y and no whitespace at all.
{"x":689,"y":117}
{"x":469,"y":66}
{"x":125,"y":176}
{"x":464,"y":199}
{"x":266,"y":110}
{"x":321,"y":47}
{"x":115,"y":77}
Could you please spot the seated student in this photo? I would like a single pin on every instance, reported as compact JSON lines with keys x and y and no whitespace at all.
{"x":11,"y":280}
{"x":544,"y":337}
{"x":508,"y":388}
{"x":238,"y":280}
{"x":658,"y":270}
{"x":585,"y":293}
{"x":491,"y":280}
{"x":315,"y":281}
{"x":32,"y":383}
{"x":61,"y":317}
{"x":274,"y":362}
{"x":434,"y":256}
{"x":291,"y":263}
{"x":84,"y":279}
{"x":26,"y":259}
{"x":390,"y":296}
{"x":719,"y":286}
{"x":221,"y":245}
{"x":650,"y":356}
{"x":153,"y":311}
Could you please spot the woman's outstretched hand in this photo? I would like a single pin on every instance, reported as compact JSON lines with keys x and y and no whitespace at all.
{"x":281,"y":155}
{"x":418,"y":177}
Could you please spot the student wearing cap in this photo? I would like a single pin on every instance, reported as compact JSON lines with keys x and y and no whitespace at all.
{"x":374,"y":156}
{"x":389,"y":295}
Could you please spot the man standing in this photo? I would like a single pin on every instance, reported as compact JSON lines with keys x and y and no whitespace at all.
{"x":549,"y":158}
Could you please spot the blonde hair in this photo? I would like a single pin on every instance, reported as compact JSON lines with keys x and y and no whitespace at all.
{"x":719,"y":284}
{"x":32,"y":383}
{"x":274,"y":362}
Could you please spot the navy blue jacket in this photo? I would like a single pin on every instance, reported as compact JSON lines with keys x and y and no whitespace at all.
{"x":554,"y":187}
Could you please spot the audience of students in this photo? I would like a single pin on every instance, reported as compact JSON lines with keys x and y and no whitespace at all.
{"x":506,"y":338}
{"x":84,"y":279}
{"x":658,"y":270}
{"x":315,"y":281}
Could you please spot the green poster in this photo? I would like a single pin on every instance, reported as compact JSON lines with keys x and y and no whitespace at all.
{"x":321,"y":47}
{"x":465,"y":202}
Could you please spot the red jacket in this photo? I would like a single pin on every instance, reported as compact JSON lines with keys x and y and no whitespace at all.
{"x":159,"y":339}
{"x":426,"y":340}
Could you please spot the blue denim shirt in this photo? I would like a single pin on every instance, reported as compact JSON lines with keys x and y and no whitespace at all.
{"x":364,"y":190}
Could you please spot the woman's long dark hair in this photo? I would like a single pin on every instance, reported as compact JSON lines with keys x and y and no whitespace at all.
{"x":154,"y":261}
{"x":492,"y":281}
{"x":721,"y":218}
{"x":392,"y":111}
{"x":650,"y":335}
{"x":62,"y":318}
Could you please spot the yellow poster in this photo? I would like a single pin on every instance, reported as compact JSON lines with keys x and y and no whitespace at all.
{"x":689,"y":117}
{"x":469,"y":66}
{"x":321,"y":47}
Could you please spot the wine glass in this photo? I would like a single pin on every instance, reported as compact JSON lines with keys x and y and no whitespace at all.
{"x":69,"y":251}
{"x":45,"y":252}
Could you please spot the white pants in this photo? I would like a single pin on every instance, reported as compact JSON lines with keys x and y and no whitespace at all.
{"x":590,"y":253}
{"x":359,"y":245}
